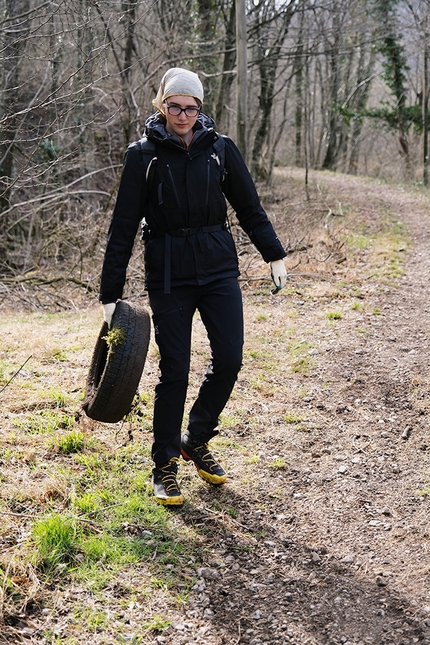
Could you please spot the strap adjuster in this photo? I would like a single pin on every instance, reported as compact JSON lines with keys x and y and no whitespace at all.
{"x":183,"y":232}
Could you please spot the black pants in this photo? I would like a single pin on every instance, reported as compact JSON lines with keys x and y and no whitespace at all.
{"x":220,"y":307}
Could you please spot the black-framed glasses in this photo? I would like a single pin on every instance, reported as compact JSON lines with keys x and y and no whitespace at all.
{"x":175,"y":110}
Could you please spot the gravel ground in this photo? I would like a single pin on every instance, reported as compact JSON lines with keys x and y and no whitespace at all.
{"x":334,"y":546}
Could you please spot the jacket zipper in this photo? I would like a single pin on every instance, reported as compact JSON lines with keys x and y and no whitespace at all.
{"x":173,"y":184}
{"x":208,"y":181}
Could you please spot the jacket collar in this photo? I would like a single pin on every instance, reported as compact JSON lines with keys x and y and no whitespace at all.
{"x":155,"y":129}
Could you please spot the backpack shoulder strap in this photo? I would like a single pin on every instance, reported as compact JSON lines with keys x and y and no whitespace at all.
{"x":219,"y":149}
{"x":146,"y":146}
{"x":148,"y":149}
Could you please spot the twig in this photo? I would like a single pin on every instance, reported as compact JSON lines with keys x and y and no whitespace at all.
{"x":74,"y":517}
{"x":223,"y":516}
{"x":406,"y":432}
{"x":291,"y":277}
{"x":99,"y":510}
{"x":239,"y":634}
{"x":16,"y":373}
{"x":33,"y":517}
{"x":36,"y":280}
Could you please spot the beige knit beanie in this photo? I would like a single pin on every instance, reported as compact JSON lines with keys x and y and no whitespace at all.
{"x":178,"y":82}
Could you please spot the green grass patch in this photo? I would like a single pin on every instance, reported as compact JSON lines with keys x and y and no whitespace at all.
{"x":94,"y":618}
{"x":360,"y":241}
{"x":279,"y":464}
{"x":384,"y":248}
{"x":59,"y":355}
{"x":106,"y":531}
{"x":301,"y":365}
{"x":300,"y":360}
{"x":301,"y":427}
{"x":293,"y":418}
{"x":265,"y":358}
{"x":44,"y":422}
{"x":388,"y":252}
{"x":229,"y":420}
{"x":262,"y":384}
{"x":73,"y":441}
{"x":425,"y":492}
{"x":58,"y":397}
{"x":109,"y":525}
{"x":89,"y":502}
{"x":157,"y":624}
{"x":5,"y":373}
{"x":232,"y":512}
{"x":114,"y":551}
{"x":55,"y":538}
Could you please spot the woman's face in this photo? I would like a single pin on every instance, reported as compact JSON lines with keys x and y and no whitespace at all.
{"x":180,"y":124}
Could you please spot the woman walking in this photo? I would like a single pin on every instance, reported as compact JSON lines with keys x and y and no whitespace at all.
{"x":174,"y":183}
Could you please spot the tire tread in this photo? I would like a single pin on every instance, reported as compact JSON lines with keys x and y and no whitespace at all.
{"x":109,"y":395}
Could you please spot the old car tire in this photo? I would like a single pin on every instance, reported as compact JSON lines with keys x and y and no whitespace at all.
{"x":114,"y":376}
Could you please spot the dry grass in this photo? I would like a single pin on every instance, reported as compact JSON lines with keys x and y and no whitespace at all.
{"x":309,"y":399}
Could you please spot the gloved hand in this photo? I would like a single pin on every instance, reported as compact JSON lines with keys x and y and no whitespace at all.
{"x":279,"y":274}
{"x":108,"y":310}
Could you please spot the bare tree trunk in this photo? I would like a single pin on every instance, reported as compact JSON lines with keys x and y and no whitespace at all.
{"x":269,"y":46}
{"x":330,"y":153}
{"x":425,"y":111}
{"x":208,"y":63}
{"x":15,"y":30}
{"x":227,"y":76}
{"x":241,"y":57}
{"x":298,"y":112}
{"x":86,"y":104}
{"x":359,"y":102}
{"x":129,"y":19}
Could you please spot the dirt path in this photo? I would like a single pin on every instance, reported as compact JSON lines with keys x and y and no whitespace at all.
{"x":321,"y":535}
{"x":334,"y":547}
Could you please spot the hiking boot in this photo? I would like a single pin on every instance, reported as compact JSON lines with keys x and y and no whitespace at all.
{"x":165,"y":485}
{"x":207,"y":466}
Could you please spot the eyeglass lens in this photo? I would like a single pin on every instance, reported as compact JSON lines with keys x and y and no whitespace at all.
{"x":175,"y":110}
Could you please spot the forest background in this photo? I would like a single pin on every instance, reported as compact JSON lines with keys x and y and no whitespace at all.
{"x":338,"y":85}
{"x":321,"y":535}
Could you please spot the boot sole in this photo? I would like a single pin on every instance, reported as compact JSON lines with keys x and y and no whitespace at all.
{"x":217,"y":480}
{"x":177,"y":500}
{"x":170,"y":501}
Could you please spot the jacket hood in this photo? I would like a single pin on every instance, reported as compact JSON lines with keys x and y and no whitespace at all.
{"x":155,"y":128}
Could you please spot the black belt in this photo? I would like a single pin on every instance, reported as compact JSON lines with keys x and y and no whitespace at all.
{"x":181,"y":232}
{"x":184,"y":232}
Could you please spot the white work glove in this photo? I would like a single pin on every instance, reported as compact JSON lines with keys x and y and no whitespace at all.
{"x":279,"y":274}
{"x":108,"y":310}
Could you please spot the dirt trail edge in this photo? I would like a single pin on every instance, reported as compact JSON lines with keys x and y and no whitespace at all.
{"x":334,"y":547}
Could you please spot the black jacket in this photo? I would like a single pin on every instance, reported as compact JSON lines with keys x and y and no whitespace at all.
{"x":179,"y":193}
